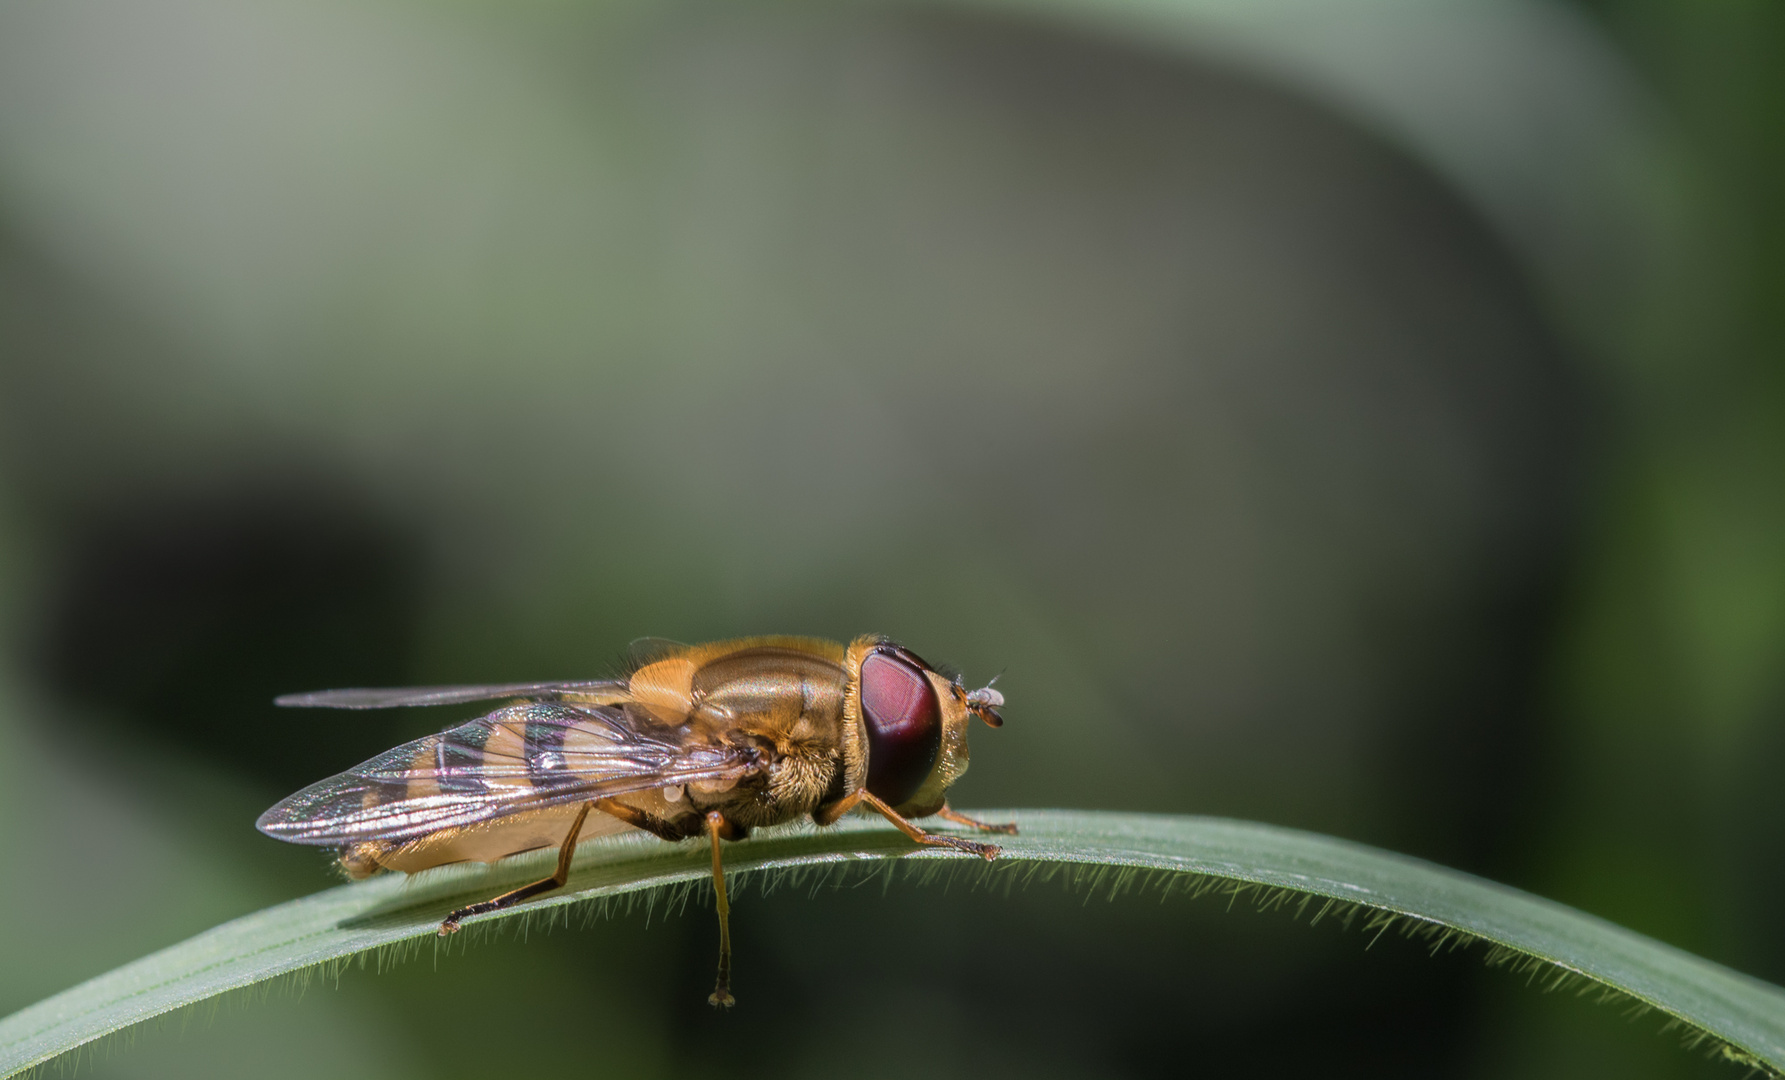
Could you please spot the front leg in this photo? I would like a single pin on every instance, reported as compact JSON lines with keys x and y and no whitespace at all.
{"x":832,"y":812}
{"x":1009,"y":828}
{"x":828,"y":815}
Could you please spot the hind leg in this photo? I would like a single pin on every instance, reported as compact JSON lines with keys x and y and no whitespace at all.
{"x":450,"y":924}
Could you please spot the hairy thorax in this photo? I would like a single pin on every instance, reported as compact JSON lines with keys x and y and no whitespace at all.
{"x":796,"y":776}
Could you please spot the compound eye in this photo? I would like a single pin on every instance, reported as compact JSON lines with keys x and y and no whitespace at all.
{"x":904,"y":722}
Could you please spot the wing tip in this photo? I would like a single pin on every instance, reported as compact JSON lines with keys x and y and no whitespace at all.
{"x":279,"y":825}
{"x":327,"y":699}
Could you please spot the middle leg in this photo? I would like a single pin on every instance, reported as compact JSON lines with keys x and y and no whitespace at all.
{"x":717,"y":827}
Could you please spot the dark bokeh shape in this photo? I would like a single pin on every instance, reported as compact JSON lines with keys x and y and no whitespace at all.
{"x":182,"y":615}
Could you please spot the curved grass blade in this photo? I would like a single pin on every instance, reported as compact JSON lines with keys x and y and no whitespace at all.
{"x":1743,"y":1017}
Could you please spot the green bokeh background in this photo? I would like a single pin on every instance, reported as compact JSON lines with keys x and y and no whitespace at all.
{"x":1365,"y":417}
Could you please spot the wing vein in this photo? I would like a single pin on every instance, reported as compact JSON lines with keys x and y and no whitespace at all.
{"x":521,"y":757}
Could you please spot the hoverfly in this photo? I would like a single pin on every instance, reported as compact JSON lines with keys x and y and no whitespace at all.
{"x":716,"y":739}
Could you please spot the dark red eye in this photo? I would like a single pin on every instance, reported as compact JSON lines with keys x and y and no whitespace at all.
{"x":904,"y":724}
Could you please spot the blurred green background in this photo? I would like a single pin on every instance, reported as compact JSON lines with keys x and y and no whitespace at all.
{"x":1366,"y":417}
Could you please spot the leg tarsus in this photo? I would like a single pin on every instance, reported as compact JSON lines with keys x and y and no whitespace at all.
{"x":1008,"y":828}
{"x":988,"y":852}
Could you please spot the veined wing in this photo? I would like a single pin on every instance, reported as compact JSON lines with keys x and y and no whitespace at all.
{"x":374,"y":698}
{"x":523,"y":757}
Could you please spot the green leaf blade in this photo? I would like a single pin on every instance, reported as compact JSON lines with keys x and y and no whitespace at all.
{"x":1269,"y":864}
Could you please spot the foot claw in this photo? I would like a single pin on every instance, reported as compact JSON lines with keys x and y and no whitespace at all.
{"x":987,"y":852}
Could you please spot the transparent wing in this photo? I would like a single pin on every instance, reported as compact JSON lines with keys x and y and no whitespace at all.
{"x":441,"y":695}
{"x":523,"y":757}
